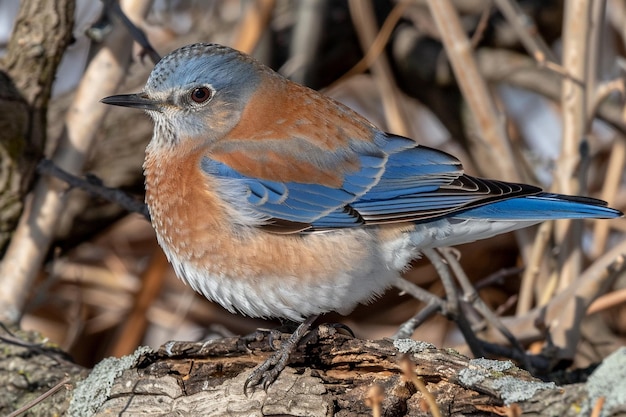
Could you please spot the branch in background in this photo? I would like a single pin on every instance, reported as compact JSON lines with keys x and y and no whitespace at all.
{"x":33,"y":236}
{"x":526,"y":30}
{"x":364,"y":22}
{"x":562,"y":315}
{"x":501,"y":66}
{"x":576,"y":51}
{"x":610,"y":190}
{"x":489,"y":121}
{"x":93,"y":186}
{"x":112,"y":7}
{"x":304,"y":46}
{"x":378,"y":44}
{"x":42,"y":32}
{"x":253,"y":24}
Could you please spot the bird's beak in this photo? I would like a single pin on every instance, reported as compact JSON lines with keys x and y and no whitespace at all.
{"x":137,"y":101}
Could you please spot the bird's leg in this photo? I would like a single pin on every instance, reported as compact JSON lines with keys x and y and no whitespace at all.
{"x":267,"y":372}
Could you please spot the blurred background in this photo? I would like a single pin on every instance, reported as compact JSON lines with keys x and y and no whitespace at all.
{"x":103,"y":286}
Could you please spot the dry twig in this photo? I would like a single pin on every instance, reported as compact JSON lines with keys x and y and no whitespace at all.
{"x":489,"y":121}
{"x":364,"y":21}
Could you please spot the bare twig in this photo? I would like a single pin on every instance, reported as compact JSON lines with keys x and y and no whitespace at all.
{"x":408,"y":370}
{"x":565,"y":311}
{"x":374,"y":400}
{"x":603,"y":91}
{"x":253,"y":23}
{"x":576,"y":52}
{"x":525,"y":29}
{"x":532,"y":270}
{"x":607,"y":301}
{"x":406,"y":329}
{"x":489,"y":121}
{"x":482,"y":25}
{"x":364,"y":21}
{"x":594,"y":48}
{"x":452,"y":300}
{"x":612,"y":179}
{"x":596,"y":411}
{"x":95,"y":188}
{"x":113,"y":7}
{"x":41,"y":398}
{"x":304,"y":45}
{"x":498,"y":65}
{"x":452,"y":304}
{"x":419,"y":293}
{"x":498,"y":277}
{"x":378,"y":45}
{"x":134,"y":327}
{"x":471,"y":297}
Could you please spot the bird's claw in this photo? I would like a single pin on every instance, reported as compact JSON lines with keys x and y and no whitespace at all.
{"x":267,"y":372}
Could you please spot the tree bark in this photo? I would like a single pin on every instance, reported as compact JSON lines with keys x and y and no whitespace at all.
{"x":331,"y":375}
{"x":43,"y":29}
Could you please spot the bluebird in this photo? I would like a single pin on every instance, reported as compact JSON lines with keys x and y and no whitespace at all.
{"x":274,"y":200}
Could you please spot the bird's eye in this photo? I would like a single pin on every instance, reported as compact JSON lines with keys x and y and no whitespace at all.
{"x":201,"y":94}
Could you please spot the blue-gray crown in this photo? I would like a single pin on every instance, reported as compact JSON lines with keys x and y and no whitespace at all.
{"x":199,"y":63}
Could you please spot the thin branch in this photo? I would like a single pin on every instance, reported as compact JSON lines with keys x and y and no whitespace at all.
{"x":576,"y":52}
{"x":453,"y":306}
{"x":500,"y":66}
{"x":93,"y":186}
{"x":452,"y":300}
{"x":305,"y":41}
{"x":481,"y":27}
{"x":41,"y":398}
{"x":525,"y":29}
{"x":594,"y":58}
{"x":471,"y":297}
{"x":532,"y":270}
{"x":408,"y":369}
{"x":378,"y":45}
{"x":419,"y":293}
{"x":610,"y":189}
{"x":606,"y":89}
{"x":113,"y":7}
{"x":364,"y":22}
{"x":252,"y":24}
{"x":565,"y":311}
{"x":489,"y":121}
{"x":407,"y":328}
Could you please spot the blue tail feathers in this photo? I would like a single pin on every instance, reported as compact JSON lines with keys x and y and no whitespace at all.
{"x":543,"y":206}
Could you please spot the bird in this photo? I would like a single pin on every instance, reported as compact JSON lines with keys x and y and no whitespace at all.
{"x":277,"y":201}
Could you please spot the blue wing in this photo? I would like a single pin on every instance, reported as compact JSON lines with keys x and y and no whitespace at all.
{"x":310,"y":204}
{"x":404,"y":182}
{"x":296,"y":201}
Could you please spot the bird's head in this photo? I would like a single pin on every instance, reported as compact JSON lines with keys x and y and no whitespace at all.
{"x":195,"y":93}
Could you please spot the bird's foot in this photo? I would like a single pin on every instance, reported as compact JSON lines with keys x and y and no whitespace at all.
{"x":267,"y":372}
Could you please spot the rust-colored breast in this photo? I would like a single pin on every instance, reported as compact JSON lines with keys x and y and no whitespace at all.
{"x":185,"y":213}
{"x":194,"y":227}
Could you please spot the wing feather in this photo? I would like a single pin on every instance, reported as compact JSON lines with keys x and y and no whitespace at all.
{"x":389,"y":180}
